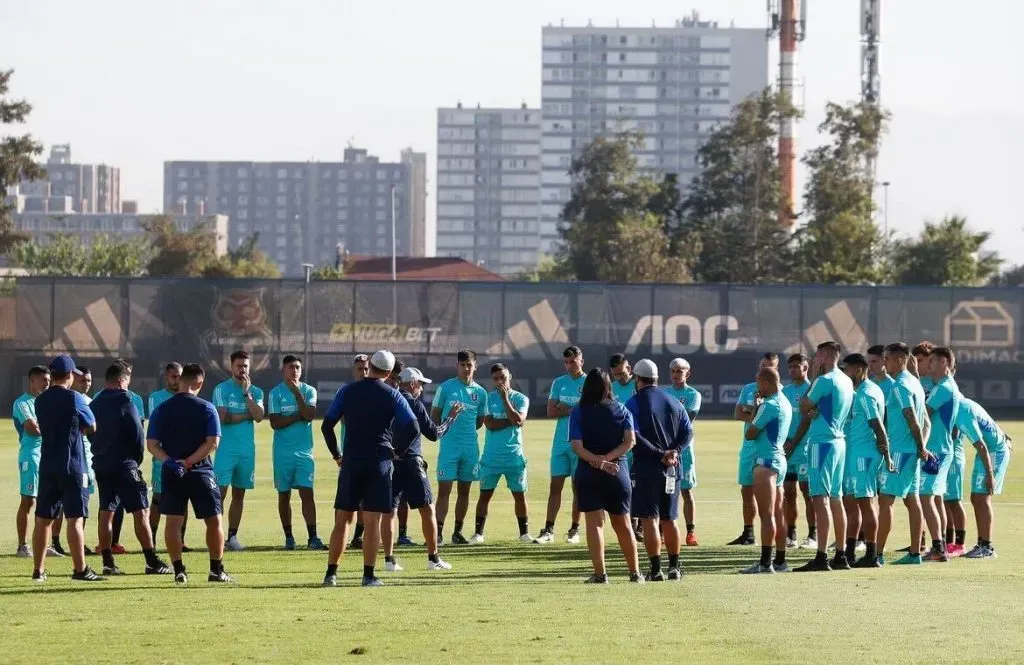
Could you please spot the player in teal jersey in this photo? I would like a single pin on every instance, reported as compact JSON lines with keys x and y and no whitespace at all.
{"x":30,"y":441}
{"x":746,"y":406}
{"x":172,"y":377}
{"x":291,"y":408}
{"x":796,"y":463}
{"x":943,"y":403}
{"x":876,"y":369}
{"x":239,"y":405}
{"x":679,"y":369}
{"x":906,"y":424}
{"x":867,"y":453}
{"x":503,"y":452}
{"x":563,"y":397}
{"x":767,"y":433}
{"x":828,"y":402}
{"x":624,"y":387}
{"x":921,"y":366}
{"x":993,"y":447}
{"x":458,"y":457}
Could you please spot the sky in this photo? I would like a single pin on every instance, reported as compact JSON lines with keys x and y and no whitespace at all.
{"x":133,"y":84}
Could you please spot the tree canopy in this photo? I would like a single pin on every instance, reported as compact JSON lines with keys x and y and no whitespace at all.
{"x":17,"y":160}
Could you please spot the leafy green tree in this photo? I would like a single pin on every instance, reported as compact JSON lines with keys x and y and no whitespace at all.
{"x":65,"y":256}
{"x":946,"y":253}
{"x":244,"y":261}
{"x":17,"y":160}
{"x":179,"y":253}
{"x":1012,"y":276}
{"x":326,"y":273}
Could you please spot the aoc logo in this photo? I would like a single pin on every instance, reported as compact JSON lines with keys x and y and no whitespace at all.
{"x":239,"y":321}
{"x":684,"y":334}
{"x":982,"y":331}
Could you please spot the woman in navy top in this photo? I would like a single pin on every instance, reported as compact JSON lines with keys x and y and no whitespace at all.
{"x":601,"y":432}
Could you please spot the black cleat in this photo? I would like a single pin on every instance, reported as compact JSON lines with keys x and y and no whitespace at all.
{"x":655,"y":577}
{"x":39,"y":576}
{"x":674,"y":574}
{"x":743,"y":539}
{"x":814,"y":566}
{"x":160,"y":568}
{"x":867,"y":562}
{"x":839,"y":562}
{"x":356,"y":544}
{"x":596,"y":579}
{"x":221,"y":577}
{"x":459,"y":539}
{"x":112,"y":571}
{"x":636,"y":578}
{"x":87,"y":575}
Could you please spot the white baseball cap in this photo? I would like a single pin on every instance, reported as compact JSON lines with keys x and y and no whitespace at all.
{"x":679,"y":362}
{"x":410,"y":374}
{"x":383,"y":360}
{"x":646,"y":369}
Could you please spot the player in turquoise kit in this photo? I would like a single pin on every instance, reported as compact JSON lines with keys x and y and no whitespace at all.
{"x":876,"y":369}
{"x":691,"y":399}
{"x":291,"y":409}
{"x":503,"y":452}
{"x":746,"y":406}
{"x":239,"y":405}
{"x":943,"y":404}
{"x":922,"y":366}
{"x":172,"y":378}
{"x":992,"y":447}
{"x":30,"y":441}
{"x":796,"y":463}
{"x":828,"y":403}
{"x":458,"y":457}
{"x":562,"y":399}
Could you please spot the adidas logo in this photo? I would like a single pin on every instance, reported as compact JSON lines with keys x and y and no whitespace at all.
{"x":99,"y":333}
{"x":533,"y":337}
{"x":844,"y":327}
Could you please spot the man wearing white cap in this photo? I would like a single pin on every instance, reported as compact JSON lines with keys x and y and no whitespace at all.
{"x":691,"y":399}
{"x":375,"y":416}
{"x":662,"y":432}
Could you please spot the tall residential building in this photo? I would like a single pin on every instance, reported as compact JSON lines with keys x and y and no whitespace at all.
{"x":673,"y":84}
{"x":422,"y":244}
{"x":89,"y":187}
{"x":85,"y":227}
{"x":488,"y":186}
{"x":304,"y":210}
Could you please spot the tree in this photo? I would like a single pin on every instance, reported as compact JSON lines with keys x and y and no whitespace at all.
{"x":730,"y":215}
{"x":946,"y":253}
{"x":65,"y":256}
{"x":179,"y":253}
{"x":547,"y":270}
{"x":326,"y":273}
{"x":17,"y":161}
{"x":608,"y":231}
{"x":1012,"y":276}
{"x":840,"y":242}
{"x":244,"y":261}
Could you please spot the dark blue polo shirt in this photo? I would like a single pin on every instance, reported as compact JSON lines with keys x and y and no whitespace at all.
{"x":599,"y":426}
{"x":119,"y":436}
{"x":61,"y":414}
{"x":661,"y":424}
{"x":181,"y":425}
{"x":375,"y":416}
{"x":427,"y":427}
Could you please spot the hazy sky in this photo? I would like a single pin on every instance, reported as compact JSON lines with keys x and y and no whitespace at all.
{"x":133,"y":83}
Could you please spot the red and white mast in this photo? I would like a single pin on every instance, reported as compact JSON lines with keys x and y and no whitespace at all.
{"x":790,"y":26}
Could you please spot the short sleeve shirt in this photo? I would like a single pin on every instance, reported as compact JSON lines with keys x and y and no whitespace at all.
{"x":505,"y":446}
{"x":229,"y":396}
{"x":868,"y":405}
{"x":463,"y":432}
{"x":24,"y":410}
{"x":298,"y":436}
{"x":906,"y":393}
{"x":832,"y":394}
{"x":182,"y":424}
{"x":794,"y":392}
{"x":772,"y":419}
{"x":566,"y":390}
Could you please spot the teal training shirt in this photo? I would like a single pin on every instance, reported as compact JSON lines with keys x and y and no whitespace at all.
{"x":623,"y":391}
{"x":943,"y":402}
{"x":689,"y":397}
{"x":297,"y":437}
{"x":24,"y":409}
{"x":504,"y":447}
{"x":747,"y":398}
{"x":832,"y":394}
{"x":772,"y":418}
{"x":566,"y":390}
{"x":228,"y":395}
{"x":868,"y":405}
{"x":794,"y":392}
{"x":473,"y":398}
{"x":906,"y":394}
{"x":977,"y":425}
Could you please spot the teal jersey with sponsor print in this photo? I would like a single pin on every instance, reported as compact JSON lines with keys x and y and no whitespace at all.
{"x":136,"y":401}
{"x":772,"y":418}
{"x":906,"y":393}
{"x":688,"y":396}
{"x":228,"y":395}
{"x":832,"y":394}
{"x":24,"y":410}
{"x":976,"y":424}
{"x":565,"y":390}
{"x":158,"y":398}
{"x":623,"y":391}
{"x":473,"y":397}
{"x":297,"y":437}
{"x":868,"y":405}
{"x":504,"y":447}
{"x":927,"y":385}
{"x":794,"y":392}
{"x":748,"y":397}
{"x":885,"y":383}
{"x":944,"y":403}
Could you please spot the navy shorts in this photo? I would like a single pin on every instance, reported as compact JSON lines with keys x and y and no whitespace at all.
{"x":364,"y":485}
{"x":122,"y":486}
{"x":198,"y":485}
{"x":650,"y":501}
{"x":62,"y":491}
{"x":411,"y":484}
{"x":596,"y":490}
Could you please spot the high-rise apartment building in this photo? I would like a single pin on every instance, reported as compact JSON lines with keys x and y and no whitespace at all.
{"x":673,"y":84}
{"x":88,"y":187}
{"x":304,"y":210}
{"x":488,"y":186}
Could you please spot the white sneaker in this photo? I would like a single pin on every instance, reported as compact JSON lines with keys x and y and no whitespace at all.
{"x":982,"y":552}
{"x":233,"y":545}
{"x":23,"y":552}
{"x":50,"y":551}
{"x":393,"y":567}
{"x":861,"y":546}
{"x":476,"y":539}
{"x":790,"y":543}
{"x":572,"y":537}
{"x":440,"y":564}
{"x":526,"y":538}
{"x":545,"y":538}
{"x":808,"y":544}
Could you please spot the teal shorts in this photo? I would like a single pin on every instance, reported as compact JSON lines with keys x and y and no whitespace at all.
{"x":797,"y":462}
{"x":563,"y":461}
{"x":955,"y":479}
{"x":1000,"y":462}
{"x":458,"y":463}
{"x":156,"y":471}
{"x":860,"y":479}
{"x":905,"y":480}
{"x":935,"y":485}
{"x":776,"y":463}
{"x":515,"y":477}
{"x":235,"y":468}
{"x":826,"y":463}
{"x":746,"y":471}
{"x":28,"y":473}
{"x":687,"y":468}
{"x":293,"y":470}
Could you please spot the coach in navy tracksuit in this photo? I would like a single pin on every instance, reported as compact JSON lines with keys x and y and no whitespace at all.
{"x":662,"y":431}
{"x":117,"y":452}
{"x":375,"y":415}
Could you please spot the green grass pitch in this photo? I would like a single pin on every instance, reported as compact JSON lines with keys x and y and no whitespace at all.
{"x":507,"y":602}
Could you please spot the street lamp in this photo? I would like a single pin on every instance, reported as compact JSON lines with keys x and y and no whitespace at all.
{"x":307,"y":269}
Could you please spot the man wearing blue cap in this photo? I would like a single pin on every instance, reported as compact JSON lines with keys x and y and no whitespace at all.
{"x":64,"y":417}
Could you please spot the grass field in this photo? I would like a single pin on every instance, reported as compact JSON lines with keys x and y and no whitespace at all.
{"x":507,"y":602}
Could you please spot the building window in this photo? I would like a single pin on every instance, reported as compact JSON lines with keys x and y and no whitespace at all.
{"x":282,"y":200}
{"x":342,"y":188}
{"x":343,"y":200}
{"x":282,"y":173}
{"x":359,"y":175}
{"x":281,"y":241}
{"x":243,"y":172}
{"x":282,"y":214}
{"x":380,"y":216}
{"x":342,"y":214}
